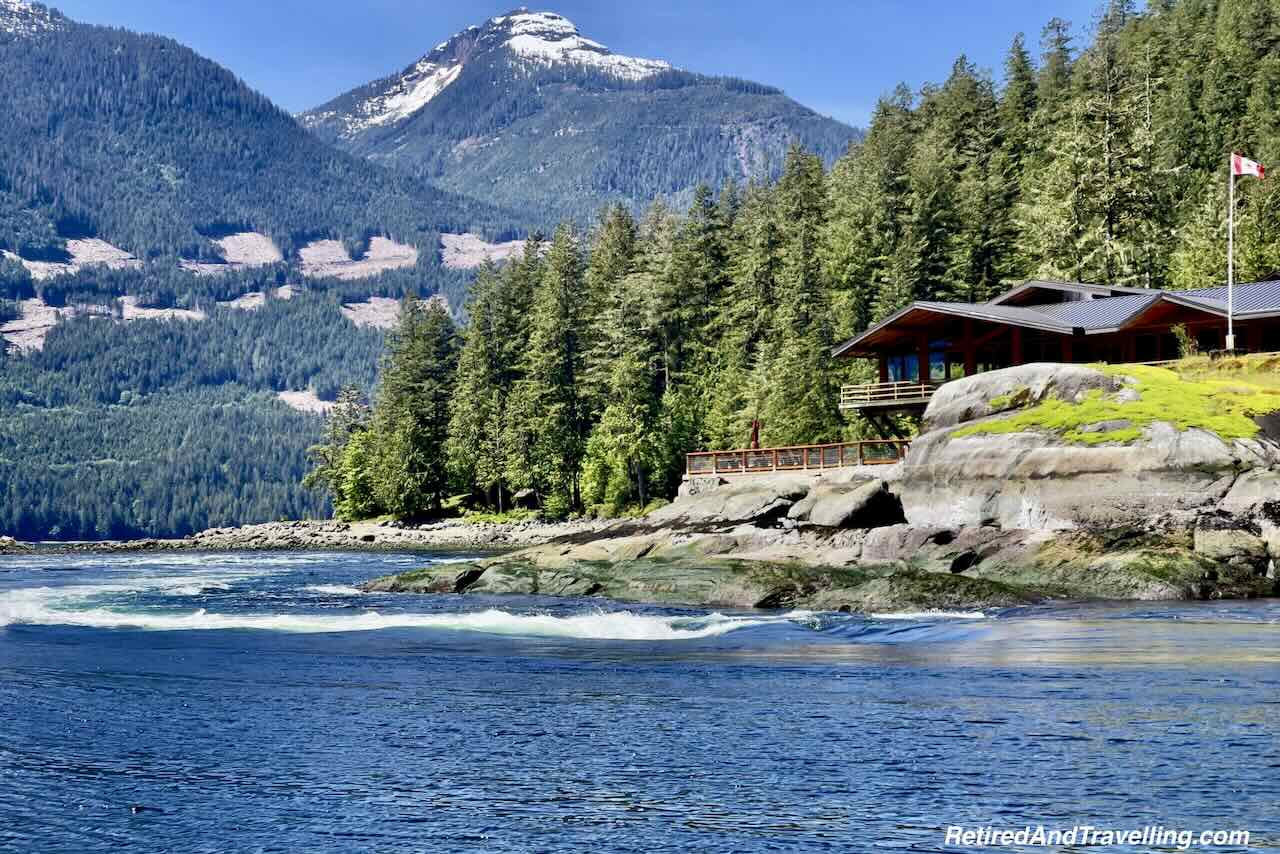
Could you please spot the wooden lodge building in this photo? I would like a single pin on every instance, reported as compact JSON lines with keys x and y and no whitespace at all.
{"x":929,"y":343}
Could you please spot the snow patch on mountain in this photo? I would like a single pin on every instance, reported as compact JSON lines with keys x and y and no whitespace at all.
{"x":527,"y":39}
{"x":239,"y":251}
{"x":306,"y":401}
{"x":410,"y":94}
{"x":19,"y":18}
{"x":548,"y":38}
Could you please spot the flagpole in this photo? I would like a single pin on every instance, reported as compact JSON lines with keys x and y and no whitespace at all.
{"x":1231,"y":251}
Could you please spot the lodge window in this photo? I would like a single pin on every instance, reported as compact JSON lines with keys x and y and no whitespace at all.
{"x":904,"y":368}
{"x":939,"y":361}
{"x":1043,"y":350}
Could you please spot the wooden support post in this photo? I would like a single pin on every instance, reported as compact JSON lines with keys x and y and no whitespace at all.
{"x":922,"y":353}
{"x":1068,"y":349}
{"x":884,"y":368}
{"x":1018,"y":358}
{"x":970,"y":350}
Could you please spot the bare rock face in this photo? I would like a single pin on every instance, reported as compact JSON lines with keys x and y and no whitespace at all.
{"x":1038,"y":481}
{"x":751,"y":498}
{"x":847,"y":505}
{"x":8,"y":545}
{"x":997,"y":391}
{"x":1251,"y":491}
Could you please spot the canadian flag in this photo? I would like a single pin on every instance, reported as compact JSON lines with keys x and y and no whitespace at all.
{"x":1245,"y":166}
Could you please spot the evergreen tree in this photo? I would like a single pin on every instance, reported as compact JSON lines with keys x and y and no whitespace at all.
{"x":801,"y":399}
{"x":477,"y":408}
{"x":1017,"y":102}
{"x":868,"y":203}
{"x":350,"y":415}
{"x":554,"y":394}
{"x":411,"y":417}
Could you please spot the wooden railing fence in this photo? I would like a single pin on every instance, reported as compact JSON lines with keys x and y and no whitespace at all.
{"x":797,"y":458}
{"x":880,"y":394}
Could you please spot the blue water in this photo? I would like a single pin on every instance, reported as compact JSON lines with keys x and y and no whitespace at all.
{"x":192,"y":703}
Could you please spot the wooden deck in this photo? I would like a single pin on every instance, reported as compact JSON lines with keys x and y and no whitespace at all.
{"x":886,"y":395}
{"x":797,"y":457}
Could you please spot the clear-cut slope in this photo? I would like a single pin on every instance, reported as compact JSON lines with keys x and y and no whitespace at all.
{"x":527,"y":112}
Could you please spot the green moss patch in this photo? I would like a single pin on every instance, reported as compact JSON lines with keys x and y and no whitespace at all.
{"x":1220,"y":403}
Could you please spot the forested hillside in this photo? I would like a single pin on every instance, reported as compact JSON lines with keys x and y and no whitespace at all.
{"x":161,"y":428}
{"x":158,"y":427}
{"x":524,"y":112}
{"x":143,"y":142}
{"x":587,"y":374}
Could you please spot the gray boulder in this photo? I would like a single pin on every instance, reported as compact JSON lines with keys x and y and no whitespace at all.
{"x":1251,"y":490}
{"x":8,"y":545}
{"x":1230,"y":544}
{"x":1034,"y":480}
{"x":986,"y":394}
{"x":847,"y":505}
{"x":746,"y":499}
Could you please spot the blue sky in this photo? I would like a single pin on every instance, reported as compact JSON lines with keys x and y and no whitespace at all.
{"x":836,"y":57}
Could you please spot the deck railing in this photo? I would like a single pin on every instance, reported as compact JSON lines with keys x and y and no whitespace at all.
{"x":797,"y":458}
{"x":885,"y":394}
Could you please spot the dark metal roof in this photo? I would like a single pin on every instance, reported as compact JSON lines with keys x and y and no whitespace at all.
{"x":1097,"y":312}
{"x":1248,"y":298}
{"x":1023,"y":316}
{"x":1027,"y":317}
{"x":1100,"y":313}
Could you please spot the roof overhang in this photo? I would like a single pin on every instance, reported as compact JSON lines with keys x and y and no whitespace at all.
{"x":917,"y":314}
{"x":860,"y":345}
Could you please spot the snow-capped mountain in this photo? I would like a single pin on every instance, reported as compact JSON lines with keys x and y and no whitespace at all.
{"x":526,"y":111}
{"x":534,"y":39}
{"x":545,"y":37}
{"x":20,"y":18}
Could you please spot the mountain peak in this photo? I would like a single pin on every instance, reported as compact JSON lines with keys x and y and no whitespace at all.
{"x":548,"y":38}
{"x":20,"y":18}
{"x":528,"y":39}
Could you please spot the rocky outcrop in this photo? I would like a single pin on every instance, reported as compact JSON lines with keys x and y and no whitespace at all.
{"x":453,"y":534}
{"x":747,"y":499}
{"x":866,"y":504}
{"x":983,"y":395}
{"x":969,"y":519}
{"x":1038,"y":480}
{"x":8,"y":545}
{"x":448,"y":535}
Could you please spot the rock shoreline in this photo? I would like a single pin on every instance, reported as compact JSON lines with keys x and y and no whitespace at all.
{"x":450,"y":535}
{"x":969,"y":519}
